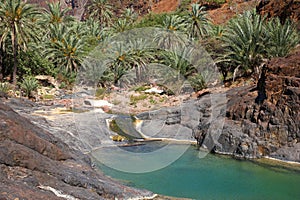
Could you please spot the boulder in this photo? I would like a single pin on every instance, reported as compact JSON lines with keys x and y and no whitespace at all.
{"x":34,"y":164}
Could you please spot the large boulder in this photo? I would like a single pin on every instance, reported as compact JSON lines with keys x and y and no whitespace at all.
{"x":34,"y":164}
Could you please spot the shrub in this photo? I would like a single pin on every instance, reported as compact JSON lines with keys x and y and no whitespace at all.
{"x":100,"y":92}
{"x":282,"y":38}
{"x":28,"y":85}
{"x":134,"y":99}
{"x":197,"y":82}
{"x":4,"y":87}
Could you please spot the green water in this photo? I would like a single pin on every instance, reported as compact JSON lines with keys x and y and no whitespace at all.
{"x":215,"y":177}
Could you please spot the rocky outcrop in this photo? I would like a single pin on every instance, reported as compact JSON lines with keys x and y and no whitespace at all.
{"x":34,"y":164}
{"x":263,"y":119}
{"x":284,"y":9}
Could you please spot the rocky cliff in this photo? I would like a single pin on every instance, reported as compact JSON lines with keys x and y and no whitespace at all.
{"x":263,"y":119}
{"x":284,"y":9}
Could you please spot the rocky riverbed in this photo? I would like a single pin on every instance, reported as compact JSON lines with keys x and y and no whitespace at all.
{"x":35,"y":164}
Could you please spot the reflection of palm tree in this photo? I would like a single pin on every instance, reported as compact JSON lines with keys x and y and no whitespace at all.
{"x":17,"y":21}
{"x":198,"y":21}
{"x":102,"y":11}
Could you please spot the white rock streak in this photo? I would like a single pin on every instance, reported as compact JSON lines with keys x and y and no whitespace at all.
{"x":57,"y":192}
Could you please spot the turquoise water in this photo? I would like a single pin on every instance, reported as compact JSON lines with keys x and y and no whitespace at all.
{"x":215,"y":177}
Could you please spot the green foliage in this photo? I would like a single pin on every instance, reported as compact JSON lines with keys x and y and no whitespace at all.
{"x":197,"y":82}
{"x":55,"y":15}
{"x":249,"y":39}
{"x":245,"y":40}
{"x":28,"y":85}
{"x":152,"y":101}
{"x":179,"y":62}
{"x":31,"y":63}
{"x":5,"y":87}
{"x":173,"y":32}
{"x":151,"y":20}
{"x":198,"y":22}
{"x":282,"y":38}
{"x":135,"y":98}
{"x":100,"y":92}
{"x":17,"y":25}
{"x":129,"y":15}
{"x":101,"y":10}
{"x":216,"y":1}
{"x":140,"y":88}
{"x":48,"y":97}
{"x":121,"y":25}
{"x":65,"y":49}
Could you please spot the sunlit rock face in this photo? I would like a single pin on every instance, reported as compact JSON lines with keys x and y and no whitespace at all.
{"x":34,"y":164}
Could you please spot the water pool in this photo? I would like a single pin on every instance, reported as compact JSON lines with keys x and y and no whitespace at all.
{"x":214,"y":177}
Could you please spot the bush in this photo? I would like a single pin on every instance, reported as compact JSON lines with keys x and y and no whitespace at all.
{"x":134,"y":99}
{"x":100,"y":92}
{"x":4,"y":87}
{"x":197,"y":82}
{"x":282,"y":38}
{"x":28,"y":85}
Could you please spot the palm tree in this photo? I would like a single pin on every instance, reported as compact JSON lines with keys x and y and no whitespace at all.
{"x":198,"y":22}
{"x":282,"y":38}
{"x":172,"y":34}
{"x":121,"y":57}
{"x":66,"y":50}
{"x":245,"y":41}
{"x":179,"y":62}
{"x":121,"y":25}
{"x":129,"y":15}
{"x":55,"y":14}
{"x":102,"y":11}
{"x":17,"y":21}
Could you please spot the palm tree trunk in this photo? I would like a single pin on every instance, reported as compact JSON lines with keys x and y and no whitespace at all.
{"x":1,"y":63}
{"x":14,"y":46}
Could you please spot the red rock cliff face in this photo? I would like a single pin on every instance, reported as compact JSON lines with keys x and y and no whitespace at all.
{"x":284,"y":9}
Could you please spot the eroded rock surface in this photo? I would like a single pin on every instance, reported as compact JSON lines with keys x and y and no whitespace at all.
{"x":263,"y":119}
{"x":284,"y":9}
{"x":37,"y":165}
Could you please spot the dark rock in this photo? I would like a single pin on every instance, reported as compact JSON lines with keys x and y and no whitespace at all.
{"x":284,"y":9}
{"x":272,"y":121}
